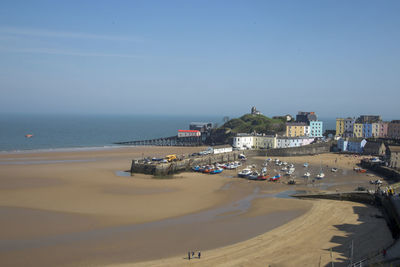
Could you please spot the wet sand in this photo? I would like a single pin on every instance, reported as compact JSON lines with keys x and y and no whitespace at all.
{"x":75,"y":208}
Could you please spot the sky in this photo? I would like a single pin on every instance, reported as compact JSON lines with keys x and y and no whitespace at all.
{"x":334,"y":57}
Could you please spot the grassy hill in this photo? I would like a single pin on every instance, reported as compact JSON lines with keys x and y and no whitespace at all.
{"x":248,"y":123}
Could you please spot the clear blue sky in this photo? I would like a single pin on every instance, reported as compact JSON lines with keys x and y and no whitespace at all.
{"x":336,"y":58}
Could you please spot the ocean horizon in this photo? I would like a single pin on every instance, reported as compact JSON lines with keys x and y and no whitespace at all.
{"x":83,"y":132}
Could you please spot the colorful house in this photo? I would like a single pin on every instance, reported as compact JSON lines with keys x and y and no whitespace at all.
{"x":358,"y":130}
{"x":295,"y":129}
{"x":316,"y":128}
{"x":339,"y":127}
{"x":356,"y":145}
{"x":367,"y":130}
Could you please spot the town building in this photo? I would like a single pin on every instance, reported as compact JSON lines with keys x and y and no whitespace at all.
{"x":316,"y":128}
{"x":188,"y":133}
{"x":367,"y":130}
{"x":375,"y":149}
{"x":394,"y":129}
{"x":264,"y":141}
{"x":254,"y":111}
{"x":358,"y":130}
{"x":348,"y":127}
{"x":354,"y":145}
{"x":340,"y":126}
{"x":243,"y":141}
{"x":306,"y":117}
{"x":369,"y":118}
{"x":294,"y":129}
{"x":393,"y":157}
{"x":285,"y":142}
{"x":375,"y":129}
{"x":383,"y":129}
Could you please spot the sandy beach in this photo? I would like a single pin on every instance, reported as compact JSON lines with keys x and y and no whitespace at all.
{"x":75,"y":208}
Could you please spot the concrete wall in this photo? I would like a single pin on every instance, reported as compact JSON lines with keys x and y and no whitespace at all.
{"x":386,"y":171}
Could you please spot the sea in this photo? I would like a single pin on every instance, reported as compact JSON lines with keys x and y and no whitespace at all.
{"x":82,"y":132}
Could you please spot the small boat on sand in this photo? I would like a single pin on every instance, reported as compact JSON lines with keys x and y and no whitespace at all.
{"x":244,"y":173}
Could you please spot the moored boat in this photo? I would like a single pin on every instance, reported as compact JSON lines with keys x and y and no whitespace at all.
{"x":244,"y":173}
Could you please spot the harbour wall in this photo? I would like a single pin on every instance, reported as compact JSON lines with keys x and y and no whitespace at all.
{"x":185,"y":164}
{"x":164,"y":169}
{"x":385,"y":171}
{"x":312,"y":149}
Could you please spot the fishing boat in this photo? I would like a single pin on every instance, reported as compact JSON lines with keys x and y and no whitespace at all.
{"x":334,"y":170}
{"x":216,"y":170}
{"x":320,"y":175}
{"x":253,"y":175}
{"x":262,"y":177}
{"x":307,"y":175}
{"x":29,"y":135}
{"x":275,"y":178}
{"x":305,"y":164}
{"x":196,"y":168}
{"x":244,"y":173}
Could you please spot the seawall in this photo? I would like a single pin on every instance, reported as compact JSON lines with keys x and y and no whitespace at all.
{"x":312,"y":149}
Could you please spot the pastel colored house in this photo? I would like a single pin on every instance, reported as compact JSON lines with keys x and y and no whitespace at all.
{"x":383,"y":129}
{"x":375,"y":129}
{"x":367,"y":130}
{"x":264,"y":141}
{"x":339,"y":127}
{"x":358,"y":130}
{"x":316,"y":128}
{"x":342,"y":144}
{"x":294,"y":129}
{"x":356,"y":145}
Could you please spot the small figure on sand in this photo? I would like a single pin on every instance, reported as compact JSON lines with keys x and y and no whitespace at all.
{"x":199,"y":254}
{"x":189,"y":255}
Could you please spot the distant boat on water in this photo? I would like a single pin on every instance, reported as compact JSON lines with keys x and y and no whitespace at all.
{"x":29,"y":135}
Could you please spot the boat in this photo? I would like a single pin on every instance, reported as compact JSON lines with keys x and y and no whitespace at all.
{"x":196,"y":168}
{"x":208,"y":169}
{"x":320,"y":175}
{"x":334,"y":170}
{"x":216,"y":170}
{"x":307,"y":174}
{"x":253,"y":175}
{"x":275,"y":178}
{"x":305,"y":164}
{"x":29,"y":135}
{"x":292,"y":181}
{"x":262,"y":177}
{"x":264,"y":170}
{"x":361,"y":170}
{"x":244,"y":173}
{"x":291,"y":166}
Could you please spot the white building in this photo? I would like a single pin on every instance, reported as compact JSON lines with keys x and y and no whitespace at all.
{"x":243,"y":141}
{"x":188,"y":133}
{"x":222,"y":149}
{"x":285,"y":142}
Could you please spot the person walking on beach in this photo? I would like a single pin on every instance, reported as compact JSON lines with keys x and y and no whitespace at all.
{"x":192,"y":254}
{"x":189,"y":255}
{"x":199,"y":254}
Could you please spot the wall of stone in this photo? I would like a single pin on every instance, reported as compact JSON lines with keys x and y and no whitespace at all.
{"x":312,"y":149}
{"x":385,"y":171}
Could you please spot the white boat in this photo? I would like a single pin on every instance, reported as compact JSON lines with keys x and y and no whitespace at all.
{"x":244,"y":173}
{"x":305,"y":164}
{"x":334,"y":169}
{"x":284,"y":163}
{"x":291,"y":166}
{"x":264,"y":170}
{"x":320,"y":175}
{"x":307,"y":174}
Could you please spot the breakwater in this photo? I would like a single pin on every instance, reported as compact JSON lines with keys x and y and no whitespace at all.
{"x":381,"y":169}
{"x":165,"y":141}
{"x":185,"y":164}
